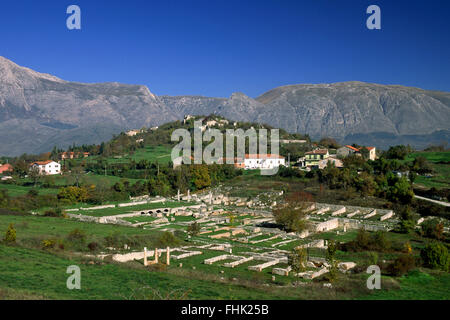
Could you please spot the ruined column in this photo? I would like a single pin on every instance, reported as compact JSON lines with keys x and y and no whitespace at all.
{"x":189,"y":195}
{"x":145,"y":256}
{"x":178,"y":195}
{"x":156,"y":255}
{"x":168,"y":256}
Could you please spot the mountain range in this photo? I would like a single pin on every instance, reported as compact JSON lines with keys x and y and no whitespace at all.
{"x":39,"y":111}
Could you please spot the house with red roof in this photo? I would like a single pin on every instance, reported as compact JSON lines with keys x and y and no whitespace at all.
{"x":348,"y":150}
{"x":6,"y":168}
{"x":48,"y":167}
{"x":73,"y":155}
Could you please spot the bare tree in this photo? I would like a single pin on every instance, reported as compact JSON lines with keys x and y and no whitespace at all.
{"x":34,"y":174}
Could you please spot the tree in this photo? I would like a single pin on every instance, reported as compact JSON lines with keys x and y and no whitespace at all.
{"x":34,"y":174}
{"x":200,"y":176}
{"x":4,"y":198}
{"x":297,"y":260}
{"x":193,"y":229}
{"x":433,"y":229}
{"x":407,"y":222}
{"x":398,"y":152}
{"x":435,"y":255}
{"x":20,"y":168}
{"x":329,"y":143}
{"x":365,"y":153}
{"x":10,"y":235}
{"x":291,"y":214}
{"x":167,"y":239}
{"x":401,"y":191}
{"x":421,"y":165}
{"x":76,"y":174}
{"x":331,"y":259}
{"x":73,"y":194}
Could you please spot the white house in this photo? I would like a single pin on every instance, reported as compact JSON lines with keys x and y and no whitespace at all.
{"x":47,"y":167}
{"x":263,"y":161}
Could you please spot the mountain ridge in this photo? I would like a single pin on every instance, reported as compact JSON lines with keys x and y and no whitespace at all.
{"x":39,"y":110}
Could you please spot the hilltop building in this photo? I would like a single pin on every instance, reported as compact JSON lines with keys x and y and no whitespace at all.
{"x":249,"y":162}
{"x":73,"y":155}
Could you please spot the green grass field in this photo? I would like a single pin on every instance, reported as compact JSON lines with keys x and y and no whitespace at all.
{"x":62,"y":181}
{"x":15,"y":190}
{"x":37,"y":226}
{"x":417,"y":285}
{"x":441,"y":176}
{"x":160,"y":154}
{"x":29,"y":272}
{"x":38,"y":273}
{"x":430,"y":156}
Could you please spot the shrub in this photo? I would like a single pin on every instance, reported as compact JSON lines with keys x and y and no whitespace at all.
{"x":54,"y":213}
{"x":372,"y":257}
{"x":93,"y":246}
{"x":433,"y":229}
{"x":193,"y":229}
{"x":157,"y":267}
{"x":330,"y":257}
{"x":406,"y":226}
{"x":363,"y":238}
{"x":48,"y":243}
{"x":402,"y":265}
{"x":10,"y":235}
{"x":179,"y":234}
{"x":167,"y":239}
{"x":77,"y":234}
{"x":76,"y":238}
{"x":380,"y":241}
{"x":33,"y":193}
{"x":114,"y":240}
{"x":435,"y":255}
{"x":366,"y":241}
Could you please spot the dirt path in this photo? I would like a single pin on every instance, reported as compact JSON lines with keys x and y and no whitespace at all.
{"x":442,"y":203}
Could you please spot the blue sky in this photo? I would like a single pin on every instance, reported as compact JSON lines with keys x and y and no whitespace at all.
{"x":215,"y":47}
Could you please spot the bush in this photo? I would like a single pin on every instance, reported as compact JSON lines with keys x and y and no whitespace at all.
{"x":365,"y":241}
{"x":76,"y":239}
{"x":435,"y":255}
{"x":167,"y":239}
{"x":433,"y":229}
{"x":157,"y":267}
{"x":193,"y":229}
{"x":48,"y":243}
{"x":114,"y":240}
{"x":380,"y":241}
{"x":406,"y":226}
{"x":363,"y":238}
{"x":402,"y":265}
{"x":10,"y":235}
{"x":54,"y":213}
{"x":372,"y":257}
{"x":93,"y":246}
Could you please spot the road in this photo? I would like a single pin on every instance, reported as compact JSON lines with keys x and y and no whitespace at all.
{"x":442,"y":203}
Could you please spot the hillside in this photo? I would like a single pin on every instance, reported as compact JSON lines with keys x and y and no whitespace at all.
{"x":39,"y":111}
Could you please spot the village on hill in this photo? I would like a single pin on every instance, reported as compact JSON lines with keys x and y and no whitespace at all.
{"x":224,"y":230}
